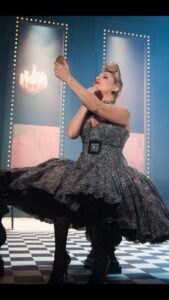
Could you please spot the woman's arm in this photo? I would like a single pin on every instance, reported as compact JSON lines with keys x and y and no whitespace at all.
{"x":76,"y":124}
{"x":113,"y":113}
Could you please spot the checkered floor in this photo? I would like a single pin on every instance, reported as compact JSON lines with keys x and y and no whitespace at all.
{"x":28,"y":259}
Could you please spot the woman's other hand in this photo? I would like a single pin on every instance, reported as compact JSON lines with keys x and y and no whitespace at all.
{"x":62,"y":71}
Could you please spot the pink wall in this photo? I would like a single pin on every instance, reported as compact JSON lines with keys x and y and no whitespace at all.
{"x":134,"y":151}
{"x":32,"y":144}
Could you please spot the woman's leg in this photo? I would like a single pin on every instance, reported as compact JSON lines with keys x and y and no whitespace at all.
{"x":111,"y":240}
{"x":101,"y":261}
{"x":61,"y":257}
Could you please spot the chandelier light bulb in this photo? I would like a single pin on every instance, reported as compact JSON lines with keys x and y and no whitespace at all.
{"x":33,"y":82}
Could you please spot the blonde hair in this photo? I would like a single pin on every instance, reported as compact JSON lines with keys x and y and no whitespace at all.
{"x":115,"y":71}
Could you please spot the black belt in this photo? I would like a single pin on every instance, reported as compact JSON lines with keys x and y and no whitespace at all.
{"x":96,"y":145}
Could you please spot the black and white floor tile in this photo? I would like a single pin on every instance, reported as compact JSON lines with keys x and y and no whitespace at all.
{"x":28,"y":258}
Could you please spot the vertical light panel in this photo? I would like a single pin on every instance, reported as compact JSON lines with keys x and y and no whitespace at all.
{"x":148,"y":106}
{"x":36,"y":129}
{"x":131,"y":51}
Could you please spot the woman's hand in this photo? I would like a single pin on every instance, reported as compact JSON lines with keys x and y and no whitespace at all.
{"x":62,"y":71}
{"x":96,"y":91}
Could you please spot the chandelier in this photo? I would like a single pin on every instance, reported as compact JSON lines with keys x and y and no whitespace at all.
{"x":33,"y":82}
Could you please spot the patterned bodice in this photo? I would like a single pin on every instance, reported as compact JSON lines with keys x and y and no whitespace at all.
{"x":111,"y":134}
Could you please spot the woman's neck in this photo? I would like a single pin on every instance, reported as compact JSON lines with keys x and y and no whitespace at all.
{"x":108,"y":97}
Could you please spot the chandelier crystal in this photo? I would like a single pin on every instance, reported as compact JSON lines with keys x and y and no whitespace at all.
{"x":33,"y":82}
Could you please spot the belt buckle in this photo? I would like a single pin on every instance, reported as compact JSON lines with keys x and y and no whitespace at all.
{"x":94,"y":147}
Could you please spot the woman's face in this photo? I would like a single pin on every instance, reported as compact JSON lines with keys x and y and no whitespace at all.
{"x":104,"y":82}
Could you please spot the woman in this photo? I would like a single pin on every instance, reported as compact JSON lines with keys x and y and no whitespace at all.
{"x":99,"y":190}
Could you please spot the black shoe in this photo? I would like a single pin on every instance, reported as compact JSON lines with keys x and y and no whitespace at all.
{"x":113,"y":268}
{"x":59,"y":272}
{"x":99,"y":271}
